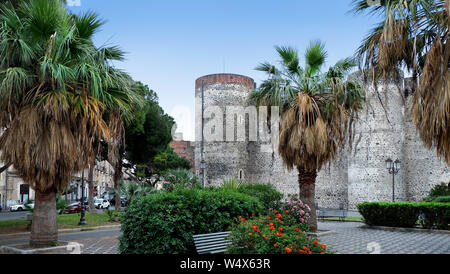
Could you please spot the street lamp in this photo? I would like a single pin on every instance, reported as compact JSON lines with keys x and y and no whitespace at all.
{"x":82,"y":219}
{"x":393,"y":167}
{"x":203,"y":167}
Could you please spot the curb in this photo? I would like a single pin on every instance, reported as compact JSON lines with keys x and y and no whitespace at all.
{"x":62,"y":231}
{"x":338,"y":221}
{"x":404,"y":229}
{"x":320,"y":234}
{"x":68,"y":248}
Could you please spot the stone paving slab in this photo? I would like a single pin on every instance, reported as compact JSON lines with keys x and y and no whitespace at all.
{"x":351,"y":238}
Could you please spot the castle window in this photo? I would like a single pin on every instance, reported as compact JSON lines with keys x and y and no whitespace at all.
{"x":241,"y":174}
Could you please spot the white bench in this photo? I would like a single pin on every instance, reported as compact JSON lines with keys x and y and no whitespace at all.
{"x":212,"y":243}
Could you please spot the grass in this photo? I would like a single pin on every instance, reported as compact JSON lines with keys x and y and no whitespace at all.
{"x":64,"y":222}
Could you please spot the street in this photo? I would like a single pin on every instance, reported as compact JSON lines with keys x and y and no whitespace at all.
{"x":7,"y":215}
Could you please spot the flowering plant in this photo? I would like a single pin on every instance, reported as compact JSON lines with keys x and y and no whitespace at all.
{"x":299,"y":213}
{"x":274,"y":233}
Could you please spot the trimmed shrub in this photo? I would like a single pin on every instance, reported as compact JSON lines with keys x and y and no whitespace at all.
{"x":442,"y":199}
{"x":163,"y":223}
{"x":267,"y":194}
{"x":437,"y":191}
{"x":274,"y":233}
{"x":435,"y":215}
{"x":399,"y":214}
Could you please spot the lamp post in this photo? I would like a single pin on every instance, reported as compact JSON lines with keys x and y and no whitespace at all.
{"x":393,"y":167}
{"x":82,"y":219}
{"x":203,"y":167}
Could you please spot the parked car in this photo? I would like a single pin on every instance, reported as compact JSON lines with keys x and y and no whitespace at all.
{"x":101,"y":204}
{"x":1,"y":208}
{"x":18,"y":207}
{"x":74,"y":208}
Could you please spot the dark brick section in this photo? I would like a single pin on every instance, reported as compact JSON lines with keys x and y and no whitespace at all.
{"x":184,"y":149}
{"x":225,"y":78}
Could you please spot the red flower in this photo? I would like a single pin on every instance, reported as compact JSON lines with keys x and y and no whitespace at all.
{"x":315,"y":242}
{"x":297,"y":229}
{"x":267,"y":238}
{"x":288,"y":250}
{"x":286,"y":211}
{"x":243,"y":219}
{"x":274,"y":245}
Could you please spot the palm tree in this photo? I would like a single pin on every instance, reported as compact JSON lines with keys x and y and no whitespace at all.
{"x":315,"y":112}
{"x":58,"y":93}
{"x":414,"y":35}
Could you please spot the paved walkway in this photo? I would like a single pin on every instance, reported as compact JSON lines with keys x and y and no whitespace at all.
{"x":352,"y":239}
{"x":349,"y":239}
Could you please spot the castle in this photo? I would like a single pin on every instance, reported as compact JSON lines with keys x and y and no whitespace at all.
{"x":384,"y":130}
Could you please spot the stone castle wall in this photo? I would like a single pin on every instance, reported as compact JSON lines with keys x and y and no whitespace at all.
{"x":384,"y":130}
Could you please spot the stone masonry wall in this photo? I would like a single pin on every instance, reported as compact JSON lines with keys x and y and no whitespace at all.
{"x":383,"y":130}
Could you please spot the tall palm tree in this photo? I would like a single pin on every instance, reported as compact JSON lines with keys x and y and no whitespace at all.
{"x":58,"y":93}
{"x":315,"y":111}
{"x":414,"y":35}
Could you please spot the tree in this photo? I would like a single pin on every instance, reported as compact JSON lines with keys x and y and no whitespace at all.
{"x":58,"y":94}
{"x":414,"y":35}
{"x":315,"y":112}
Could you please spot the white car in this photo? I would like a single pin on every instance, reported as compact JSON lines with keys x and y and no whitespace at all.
{"x":101,"y":203}
{"x":20,"y":207}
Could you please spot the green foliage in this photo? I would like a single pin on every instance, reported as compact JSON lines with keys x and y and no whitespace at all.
{"x":168,"y":159}
{"x":274,"y":233}
{"x":131,"y":190}
{"x":406,"y":214}
{"x":437,"y":191}
{"x":442,"y":199}
{"x":164,"y":223}
{"x":435,"y":215}
{"x":149,"y":133}
{"x":266,"y":193}
{"x":61,"y":204}
{"x":231,"y":184}
{"x":400,"y":214}
{"x":179,"y":178}
{"x":113,"y":216}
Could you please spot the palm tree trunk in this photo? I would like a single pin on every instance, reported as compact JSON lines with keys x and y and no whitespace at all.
{"x":44,"y":227}
{"x":91,"y":186}
{"x":307,"y":183}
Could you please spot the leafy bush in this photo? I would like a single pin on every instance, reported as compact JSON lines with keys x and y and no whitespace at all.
{"x":266,"y":193}
{"x":435,"y":215}
{"x":163,"y":223}
{"x":274,"y":233}
{"x":179,"y":178}
{"x":297,"y":209}
{"x":231,"y":184}
{"x":405,"y":214}
{"x":399,"y":214}
{"x":438,"y":190}
{"x":113,"y":215}
{"x":442,"y":199}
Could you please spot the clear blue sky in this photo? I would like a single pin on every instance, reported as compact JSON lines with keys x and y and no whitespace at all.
{"x":171,"y":43}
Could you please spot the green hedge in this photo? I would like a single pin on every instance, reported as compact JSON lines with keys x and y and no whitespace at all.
{"x":400,"y":214}
{"x":435,"y":215}
{"x":163,"y":223}
{"x":442,"y":199}
{"x":406,"y":214}
{"x":267,"y":194}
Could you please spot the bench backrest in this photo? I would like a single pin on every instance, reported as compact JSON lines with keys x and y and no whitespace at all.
{"x":212,"y":243}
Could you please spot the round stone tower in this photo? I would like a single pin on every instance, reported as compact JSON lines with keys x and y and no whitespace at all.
{"x":221,"y":127}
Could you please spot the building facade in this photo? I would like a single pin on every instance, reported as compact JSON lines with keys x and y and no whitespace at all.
{"x":384,"y":130}
{"x":14,"y":190}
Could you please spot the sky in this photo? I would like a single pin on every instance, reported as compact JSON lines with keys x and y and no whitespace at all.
{"x":171,"y":43}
